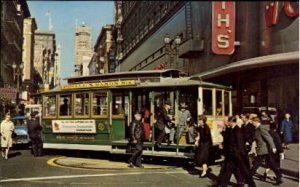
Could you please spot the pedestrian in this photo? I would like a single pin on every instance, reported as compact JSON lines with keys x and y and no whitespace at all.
{"x":233,"y":146}
{"x":184,"y":118}
{"x":286,"y":130}
{"x":265,"y":146}
{"x":138,"y":138}
{"x":7,"y":129}
{"x":203,"y":144}
{"x":279,"y":155}
{"x":34,"y":131}
{"x":162,"y":119}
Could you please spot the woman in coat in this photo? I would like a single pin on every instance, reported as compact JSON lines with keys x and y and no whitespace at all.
{"x":286,"y":130}
{"x":7,"y":128}
{"x":203,"y":144}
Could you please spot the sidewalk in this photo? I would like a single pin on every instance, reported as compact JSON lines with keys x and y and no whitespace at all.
{"x":290,"y":164}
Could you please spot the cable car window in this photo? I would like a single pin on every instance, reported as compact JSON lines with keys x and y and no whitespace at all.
{"x":226,"y":103}
{"x":82,"y":104}
{"x":99,"y":103}
{"x":117,"y":105}
{"x":65,"y":105}
{"x":207,"y":102}
{"x":49,"y":106}
{"x":219,"y":103}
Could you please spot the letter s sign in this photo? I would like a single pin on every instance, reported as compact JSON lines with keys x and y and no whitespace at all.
{"x":223,"y":27}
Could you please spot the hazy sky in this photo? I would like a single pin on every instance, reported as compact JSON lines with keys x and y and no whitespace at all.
{"x":94,"y":14}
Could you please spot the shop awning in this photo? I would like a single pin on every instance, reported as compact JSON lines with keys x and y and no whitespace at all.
{"x":257,"y":62}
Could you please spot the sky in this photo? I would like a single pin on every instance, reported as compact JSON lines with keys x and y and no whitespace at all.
{"x":64,"y":14}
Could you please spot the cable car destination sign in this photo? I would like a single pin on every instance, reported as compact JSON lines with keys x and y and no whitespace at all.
{"x":99,"y":84}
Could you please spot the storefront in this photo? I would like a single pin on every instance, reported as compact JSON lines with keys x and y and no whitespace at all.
{"x":271,"y":79}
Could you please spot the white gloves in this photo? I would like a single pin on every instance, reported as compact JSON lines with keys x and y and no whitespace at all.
{"x":274,"y":150}
{"x":282,"y":156}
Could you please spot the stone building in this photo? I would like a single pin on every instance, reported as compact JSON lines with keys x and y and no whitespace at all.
{"x":83,"y":46}
{"x":13,"y":14}
{"x":31,"y":79}
{"x":45,"y":57}
{"x":251,"y":46}
{"x":105,"y":50}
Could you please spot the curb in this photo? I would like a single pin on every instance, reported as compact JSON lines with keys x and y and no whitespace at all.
{"x":290,"y":173}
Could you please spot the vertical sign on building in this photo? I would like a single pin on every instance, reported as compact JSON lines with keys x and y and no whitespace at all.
{"x":223,"y":27}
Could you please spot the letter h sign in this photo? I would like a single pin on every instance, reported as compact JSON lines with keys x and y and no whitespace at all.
{"x":223,"y":27}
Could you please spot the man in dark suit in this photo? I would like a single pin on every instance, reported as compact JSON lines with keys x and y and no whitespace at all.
{"x":265,"y":146}
{"x":248,"y":131}
{"x":34,"y":131}
{"x":234,"y":153}
{"x":162,"y":120}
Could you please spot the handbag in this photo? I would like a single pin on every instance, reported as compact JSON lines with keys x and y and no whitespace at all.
{"x":13,"y":134}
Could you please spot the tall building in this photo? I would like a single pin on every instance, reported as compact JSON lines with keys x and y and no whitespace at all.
{"x":251,"y":46}
{"x":31,"y":79}
{"x":45,"y":57}
{"x":83,"y":47}
{"x":57,"y":62}
{"x":105,"y":50}
{"x":13,"y":14}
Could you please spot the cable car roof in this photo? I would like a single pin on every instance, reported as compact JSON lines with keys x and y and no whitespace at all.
{"x":127,"y":75}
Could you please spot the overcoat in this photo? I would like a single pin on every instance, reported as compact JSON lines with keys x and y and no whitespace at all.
{"x":286,"y":128}
{"x":7,"y":127}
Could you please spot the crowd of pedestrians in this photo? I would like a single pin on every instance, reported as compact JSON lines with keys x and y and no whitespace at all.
{"x":250,"y":141}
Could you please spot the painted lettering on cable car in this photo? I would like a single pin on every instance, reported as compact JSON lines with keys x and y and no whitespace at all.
{"x":99,"y":84}
{"x":223,"y":27}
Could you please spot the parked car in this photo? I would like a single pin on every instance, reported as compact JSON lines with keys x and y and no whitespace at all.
{"x":271,"y":110}
{"x":21,"y":130}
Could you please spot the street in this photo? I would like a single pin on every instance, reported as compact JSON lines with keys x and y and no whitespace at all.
{"x":77,"y":168}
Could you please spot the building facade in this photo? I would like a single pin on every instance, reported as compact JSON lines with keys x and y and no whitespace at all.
{"x":57,"y":62}
{"x":251,"y":46}
{"x":13,"y":14}
{"x":105,"y":50}
{"x":45,"y":58}
{"x":30,"y":76}
{"x":83,"y":46}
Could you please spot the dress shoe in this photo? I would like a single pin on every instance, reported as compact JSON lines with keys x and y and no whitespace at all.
{"x":264,"y":177}
{"x":278,"y":182}
{"x":131,"y":165}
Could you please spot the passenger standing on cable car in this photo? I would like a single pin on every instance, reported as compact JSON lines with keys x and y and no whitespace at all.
{"x":146,"y":121}
{"x":138,"y":138}
{"x":162,"y":120}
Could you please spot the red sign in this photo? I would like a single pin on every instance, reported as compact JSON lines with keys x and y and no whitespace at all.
{"x":8,"y":93}
{"x":223,"y":27}
{"x":291,"y":9}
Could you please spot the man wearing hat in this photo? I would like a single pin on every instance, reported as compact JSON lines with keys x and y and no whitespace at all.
{"x":265,"y":146}
{"x":184,"y":118}
{"x":34,"y":131}
{"x":162,"y":120}
{"x":137,"y":135}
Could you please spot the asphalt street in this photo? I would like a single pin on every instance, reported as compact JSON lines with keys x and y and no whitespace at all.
{"x":80,"y":168}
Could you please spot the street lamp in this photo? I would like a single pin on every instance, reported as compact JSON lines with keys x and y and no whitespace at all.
{"x":17,"y":74}
{"x":171,"y":51}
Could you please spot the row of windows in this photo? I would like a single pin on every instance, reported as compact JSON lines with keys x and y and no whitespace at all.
{"x":65,"y":105}
{"x":139,"y":25}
